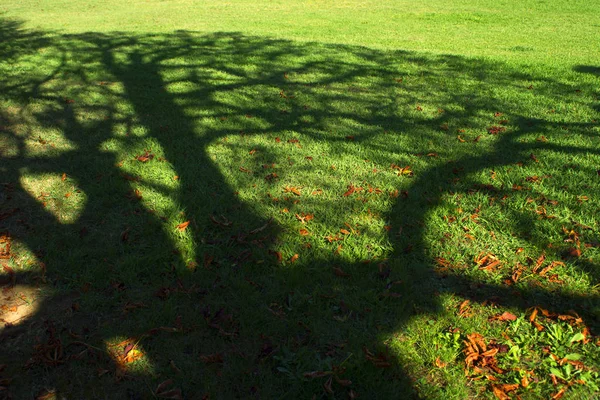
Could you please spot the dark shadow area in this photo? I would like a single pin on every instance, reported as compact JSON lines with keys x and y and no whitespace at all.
{"x":117,"y":267}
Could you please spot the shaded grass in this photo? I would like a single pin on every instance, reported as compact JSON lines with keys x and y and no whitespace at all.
{"x":220,"y":113}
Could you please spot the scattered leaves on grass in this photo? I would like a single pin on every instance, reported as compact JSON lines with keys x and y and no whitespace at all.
{"x":487,"y":262}
{"x":494,"y":130}
{"x":294,"y":258}
{"x":147,"y":156}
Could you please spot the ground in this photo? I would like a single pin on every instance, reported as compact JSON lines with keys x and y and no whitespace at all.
{"x":311,"y":200}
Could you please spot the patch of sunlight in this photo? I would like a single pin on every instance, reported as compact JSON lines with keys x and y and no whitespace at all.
{"x":58,"y":193}
{"x":129,"y":356}
{"x":17,"y":303}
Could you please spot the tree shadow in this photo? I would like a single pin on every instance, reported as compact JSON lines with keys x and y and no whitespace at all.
{"x":200,"y":104}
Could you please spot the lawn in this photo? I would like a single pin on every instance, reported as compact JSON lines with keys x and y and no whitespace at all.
{"x":309,"y":199}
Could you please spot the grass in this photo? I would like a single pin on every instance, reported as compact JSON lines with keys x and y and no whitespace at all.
{"x":272,"y":200}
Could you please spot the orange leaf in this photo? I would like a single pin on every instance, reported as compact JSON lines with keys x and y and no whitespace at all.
{"x":294,"y":258}
{"x":574,"y":252}
{"x":534,"y":314}
{"x":304,"y":232}
{"x":64,"y":177}
{"x":183,"y":225}
{"x":439,"y":363}
{"x":67,"y":195}
{"x":292,"y":189}
{"x":505,"y":316}
{"x":344,"y":231}
{"x":276,"y":254}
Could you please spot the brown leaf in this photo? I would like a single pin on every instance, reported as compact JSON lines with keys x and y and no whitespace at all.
{"x":499,"y":393}
{"x":505,"y":316}
{"x":304,"y":232}
{"x":560,"y":393}
{"x":351,"y":189}
{"x":533,"y":314}
{"x":460,"y":139}
{"x":339,"y":272}
{"x":276,"y":254}
{"x":344,"y":231}
{"x":464,"y":310}
{"x":294,"y":258}
{"x":64,"y":177}
{"x":439,"y":363}
{"x":182,"y":226}
{"x":574,"y":252}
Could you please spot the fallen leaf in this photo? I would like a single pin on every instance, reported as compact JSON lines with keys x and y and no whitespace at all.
{"x":294,"y":258}
{"x":292,"y":189}
{"x":183,"y":225}
{"x":439,"y":363}
{"x":339,"y":272}
{"x":505,"y":316}
{"x":304,"y":232}
{"x":276,"y":254}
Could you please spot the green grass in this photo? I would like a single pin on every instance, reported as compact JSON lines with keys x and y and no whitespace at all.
{"x":121,"y":121}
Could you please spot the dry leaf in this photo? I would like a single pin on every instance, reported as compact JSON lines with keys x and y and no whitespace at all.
{"x":505,"y":316}
{"x":183,"y":225}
